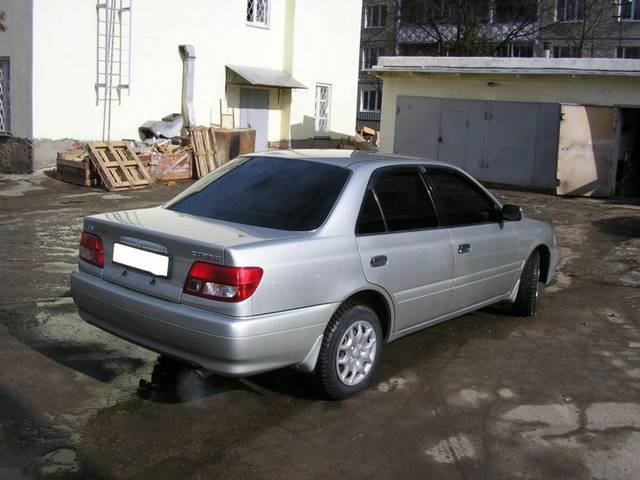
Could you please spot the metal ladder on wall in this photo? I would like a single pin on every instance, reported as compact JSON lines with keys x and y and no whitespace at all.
{"x":113,"y":56}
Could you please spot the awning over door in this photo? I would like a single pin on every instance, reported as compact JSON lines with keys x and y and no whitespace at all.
{"x":261,"y":77}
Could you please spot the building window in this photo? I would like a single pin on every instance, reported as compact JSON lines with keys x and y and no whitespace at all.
{"x":258,"y":13}
{"x":570,"y":10}
{"x":370,"y":56}
{"x":375,"y":16}
{"x":323,"y":107}
{"x":628,"y":52}
{"x":629,"y":10}
{"x":512,"y":11}
{"x":565,"y":52}
{"x":5,"y":114}
{"x":370,"y":100}
{"x":515,"y":49}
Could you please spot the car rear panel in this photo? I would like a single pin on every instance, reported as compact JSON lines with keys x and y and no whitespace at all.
{"x":185,"y":239}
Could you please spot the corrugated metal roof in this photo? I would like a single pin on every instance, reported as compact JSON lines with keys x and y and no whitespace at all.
{"x":510,"y":66}
{"x":264,"y":77}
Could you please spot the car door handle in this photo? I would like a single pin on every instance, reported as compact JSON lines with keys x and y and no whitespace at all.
{"x":464,"y":248}
{"x":379,"y":261}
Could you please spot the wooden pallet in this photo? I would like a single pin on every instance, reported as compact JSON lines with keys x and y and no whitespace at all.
{"x":118,"y":166}
{"x":203,"y":143}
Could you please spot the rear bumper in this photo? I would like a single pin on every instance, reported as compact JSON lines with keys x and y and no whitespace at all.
{"x":225,"y":345}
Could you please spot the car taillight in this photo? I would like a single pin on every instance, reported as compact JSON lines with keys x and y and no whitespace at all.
{"x":218,"y":282}
{"x":91,"y":249}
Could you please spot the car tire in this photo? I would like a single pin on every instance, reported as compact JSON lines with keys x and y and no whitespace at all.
{"x":527,"y":297}
{"x":350,"y":351}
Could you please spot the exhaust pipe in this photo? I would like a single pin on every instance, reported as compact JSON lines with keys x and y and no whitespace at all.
{"x":188,"y":56}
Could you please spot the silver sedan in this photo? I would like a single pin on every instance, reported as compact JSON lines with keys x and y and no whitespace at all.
{"x":309,"y":259}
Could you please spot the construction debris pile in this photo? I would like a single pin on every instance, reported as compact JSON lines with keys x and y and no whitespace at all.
{"x":132,"y":164}
{"x":169,"y":149}
{"x":367,"y":135}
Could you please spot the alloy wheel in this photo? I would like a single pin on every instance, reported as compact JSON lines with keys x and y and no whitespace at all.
{"x":356,"y":353}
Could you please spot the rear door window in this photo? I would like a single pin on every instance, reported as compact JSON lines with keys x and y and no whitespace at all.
{"x":370,"y":220}
{"x":404,"y":200}
{"x":463,"y":202}
{"x":278,"y":193}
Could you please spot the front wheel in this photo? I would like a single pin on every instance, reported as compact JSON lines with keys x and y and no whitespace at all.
{"x":350,"y":351}
{"x":527,"y":298}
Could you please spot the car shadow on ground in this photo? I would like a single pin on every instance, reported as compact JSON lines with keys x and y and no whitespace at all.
{"x":174,"y":382}
{"x":625,"y":226}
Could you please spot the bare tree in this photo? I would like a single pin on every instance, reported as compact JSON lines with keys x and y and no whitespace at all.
{"x":582,"y":24}
{"x":475,"y":27}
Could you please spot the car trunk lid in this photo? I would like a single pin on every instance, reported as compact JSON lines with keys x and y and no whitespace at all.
{"x":159,"y":235}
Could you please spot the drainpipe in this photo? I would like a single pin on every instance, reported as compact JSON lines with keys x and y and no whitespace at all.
{"x":188,"y":55}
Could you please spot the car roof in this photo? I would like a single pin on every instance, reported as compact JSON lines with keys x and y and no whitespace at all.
{"x":347,"y":158}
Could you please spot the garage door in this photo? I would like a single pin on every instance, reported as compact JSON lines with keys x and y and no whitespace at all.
{"x":586,"y":151}
{"x":512,"y":143}
{"x":417,"y":126}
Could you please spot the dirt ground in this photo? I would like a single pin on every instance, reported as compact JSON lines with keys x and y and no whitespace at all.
{"x":483,"y":396}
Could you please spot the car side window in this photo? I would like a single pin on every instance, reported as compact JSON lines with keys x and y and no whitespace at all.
{"x":404,"y":200}
{"x":463,"y":202}
{"x":370,"y":219}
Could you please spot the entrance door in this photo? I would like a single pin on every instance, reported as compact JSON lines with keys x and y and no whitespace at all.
{"x":254,"y":113}
{"x":586,"y":151}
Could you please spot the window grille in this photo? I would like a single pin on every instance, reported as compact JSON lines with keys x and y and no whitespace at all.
{"x":5,"y":114}
{"x":114,"y":49}
{"x":258,"y":13}
{"x":323,"y":99}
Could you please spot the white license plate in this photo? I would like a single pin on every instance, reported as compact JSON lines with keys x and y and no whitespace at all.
{"x":150,"y":262}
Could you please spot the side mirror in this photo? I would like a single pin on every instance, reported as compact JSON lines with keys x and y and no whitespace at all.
{"x":511,"y":213}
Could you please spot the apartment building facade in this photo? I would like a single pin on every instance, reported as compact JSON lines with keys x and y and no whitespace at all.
{"x":500,"y":28}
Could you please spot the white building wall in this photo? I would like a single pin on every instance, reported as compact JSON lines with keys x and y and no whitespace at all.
{"x":325,"y":34}
{"x":16,"y":44}
{"x":326,"y":49}
{"x":65,"y":61}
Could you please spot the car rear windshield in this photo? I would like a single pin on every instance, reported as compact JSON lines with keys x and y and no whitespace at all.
{"x":268,"y":192}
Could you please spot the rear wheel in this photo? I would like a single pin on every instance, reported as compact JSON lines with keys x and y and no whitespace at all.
{"x":527,"y":298}
{"x":350,"y":351}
